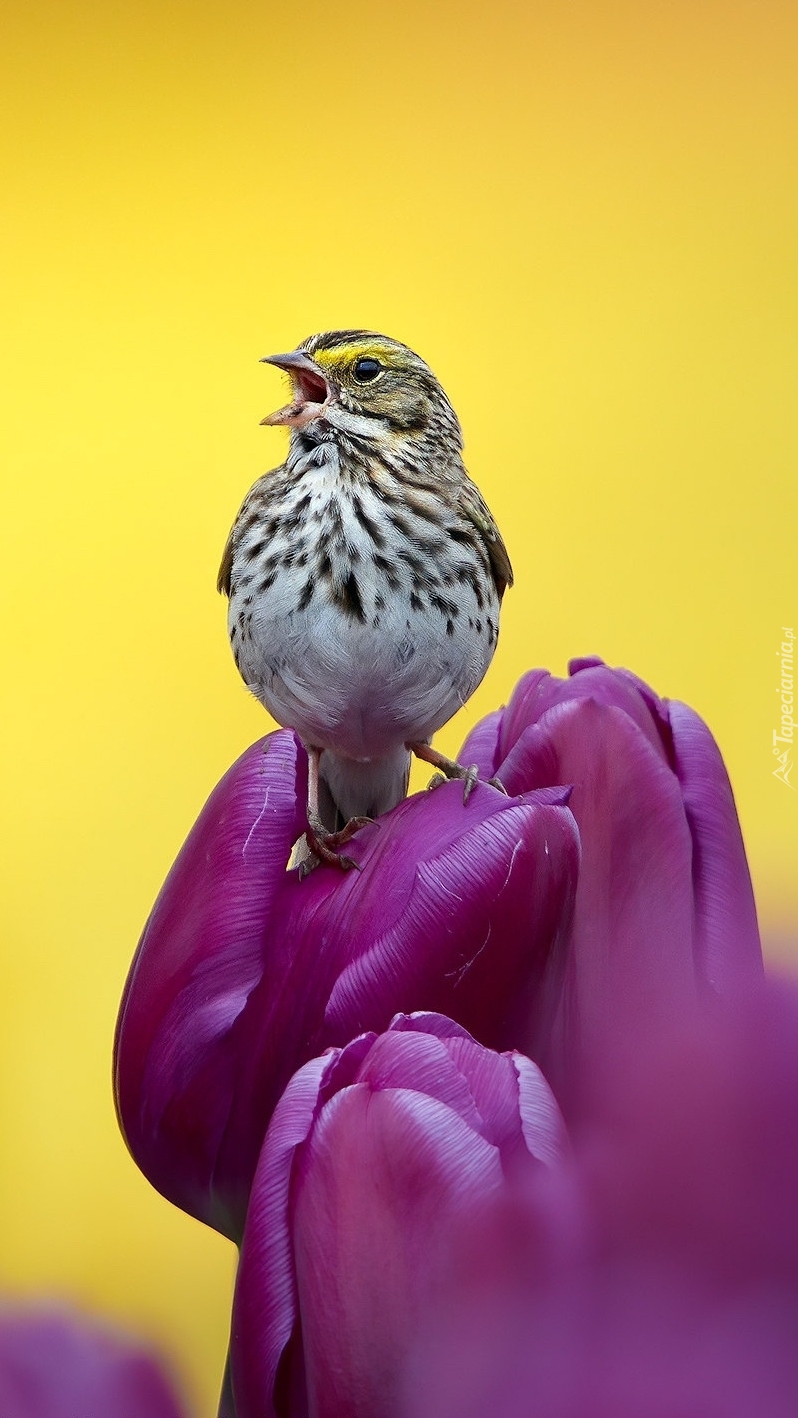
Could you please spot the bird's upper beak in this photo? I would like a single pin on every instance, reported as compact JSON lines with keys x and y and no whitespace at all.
{"x":311,"y":389}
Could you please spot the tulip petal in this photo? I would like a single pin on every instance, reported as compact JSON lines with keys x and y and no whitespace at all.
{"x":683,"y":891}
{"x":267,"y":1309}
{"x":422,"y":1062}
{"x":478,"y":919}
{"x":493,"y":1086}
{"x":266,"y":1300}
{"x":424,"y":1021}
{"x":385,"y":1175}
{"x":541,"y":1120}
{"x":656,"y":706}
{"x":630,"y":951}
{"x":727,"y":948}
{"x":532,"y":690}
{"x":197,"y":963}
{"x":538,"y":692}
{"x":482,"y":745}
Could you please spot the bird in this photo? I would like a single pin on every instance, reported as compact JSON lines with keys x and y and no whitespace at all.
{"x":364,"y":578}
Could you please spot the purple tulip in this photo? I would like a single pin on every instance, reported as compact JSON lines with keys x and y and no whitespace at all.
{"x":244,"y":972}
{"x":685,"y":1299}
{"x":54,"y":1365}
{"x":377,"y":1155}
{"x":665,"y":917}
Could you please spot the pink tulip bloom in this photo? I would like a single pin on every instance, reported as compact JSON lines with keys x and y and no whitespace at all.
{"x":376,"y":1157}
{"x":664,"y":921}
{"x":244,"y":972}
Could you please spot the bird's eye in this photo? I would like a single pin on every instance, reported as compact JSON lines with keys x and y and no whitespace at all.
{"x":366,"y":370}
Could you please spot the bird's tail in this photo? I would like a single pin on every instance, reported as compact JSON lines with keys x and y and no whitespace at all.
{"x":348,"y":788}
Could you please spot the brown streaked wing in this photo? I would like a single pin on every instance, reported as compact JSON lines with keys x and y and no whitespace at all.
{"x":476,"y":509}
{"x":223,"y":579}
{"x":225,"y":570}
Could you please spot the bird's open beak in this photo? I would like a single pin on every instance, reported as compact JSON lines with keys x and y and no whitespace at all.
{"x":311,"y":390}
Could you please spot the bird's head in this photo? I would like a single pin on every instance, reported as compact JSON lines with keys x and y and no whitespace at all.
{"x":366,"y":386}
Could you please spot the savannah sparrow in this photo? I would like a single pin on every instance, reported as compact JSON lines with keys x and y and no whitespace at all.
{"x":365,"y":577}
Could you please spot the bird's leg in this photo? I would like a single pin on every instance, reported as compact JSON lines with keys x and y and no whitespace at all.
{"x":449,"y":768}
{"x":322,"y":842}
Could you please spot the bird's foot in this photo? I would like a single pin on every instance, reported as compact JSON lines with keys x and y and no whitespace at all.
{"x":325,"y":846}
{"x":321,"y":844}
{"x":469,"y":777}
{"x":449,"y":768}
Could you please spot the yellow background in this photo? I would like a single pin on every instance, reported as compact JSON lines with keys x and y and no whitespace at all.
{"x":584,"y":216}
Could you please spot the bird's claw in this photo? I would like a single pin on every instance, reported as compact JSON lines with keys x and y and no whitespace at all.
{"x":450,"y":770}
{"x":470,"y":780}
{"x":319,"y":854}
{"x":435,"y":781}
{"x":469,"y":776}
{"x":498,"y":784}
{"x":325,"y":845}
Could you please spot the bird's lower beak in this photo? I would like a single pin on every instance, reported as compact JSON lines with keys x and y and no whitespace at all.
{"x":311,"y":391}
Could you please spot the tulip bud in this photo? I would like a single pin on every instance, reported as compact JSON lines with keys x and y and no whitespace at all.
{"x":378,"y":1157}
{"x":244,"y":971}
{"x":664,"y":920}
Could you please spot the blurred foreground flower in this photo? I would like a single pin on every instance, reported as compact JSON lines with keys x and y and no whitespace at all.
{"x":665,"y":918}
{"x":376,"y":1157}
{"x":244,"y":972}
{"x":684,"y":1300}
{"x":54,"y":1365}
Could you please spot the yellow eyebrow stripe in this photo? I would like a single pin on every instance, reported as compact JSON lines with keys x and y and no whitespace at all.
{"x":349,"y":353}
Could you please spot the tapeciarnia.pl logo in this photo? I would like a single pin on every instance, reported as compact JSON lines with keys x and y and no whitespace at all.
{"x":785,"y":735}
